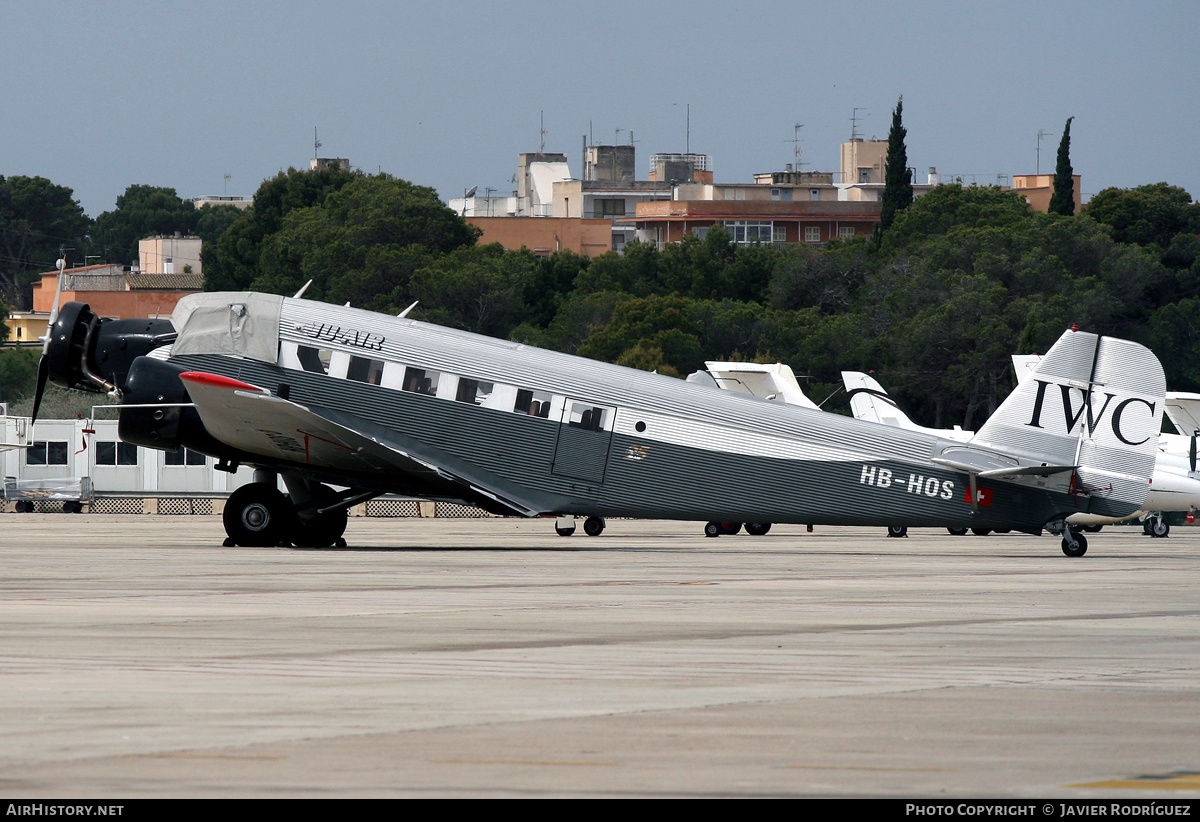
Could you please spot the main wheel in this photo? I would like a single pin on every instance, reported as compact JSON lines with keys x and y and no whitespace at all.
{"x":1076,"y":550}
{"x":319,"y":530}
{"x":593,"y":526}
{"x":981,"y":532}
{"x":897,"y":530}
{"x":257,"y":516}
{"x":757,"y":529}
{"x":564,"y":532}
{"x":730,"y":528}
{"x":712,"y":529}
{"x":958,"y":532}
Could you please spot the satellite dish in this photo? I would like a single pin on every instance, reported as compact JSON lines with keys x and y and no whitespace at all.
{"x":470,"y":192}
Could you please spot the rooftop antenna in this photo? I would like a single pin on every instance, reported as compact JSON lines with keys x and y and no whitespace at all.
{"x":1041,"y":134}
{"x":687,"y":143}
{"x":227,"y":176}
{"x":854,"y":135}
{"x":797,"y":152}
{"x":542,"y":132}
{"x":316,"y":143}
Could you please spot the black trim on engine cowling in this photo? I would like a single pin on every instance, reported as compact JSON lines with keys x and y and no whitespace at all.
{"x":154,"y":418}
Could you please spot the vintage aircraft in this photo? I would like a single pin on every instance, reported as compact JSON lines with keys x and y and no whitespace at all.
{"x":325,"y":396}
{"x":1174,"y":487}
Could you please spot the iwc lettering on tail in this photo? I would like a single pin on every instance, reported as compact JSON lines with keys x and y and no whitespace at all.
{"x":912,"y":484}
{"x":1118,"y":421}
{"x":345,"y":336}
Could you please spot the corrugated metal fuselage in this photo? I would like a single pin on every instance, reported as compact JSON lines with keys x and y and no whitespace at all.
{"x":668,"y":449}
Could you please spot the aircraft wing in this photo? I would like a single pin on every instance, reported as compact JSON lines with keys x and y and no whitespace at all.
{"x":253,"y":420}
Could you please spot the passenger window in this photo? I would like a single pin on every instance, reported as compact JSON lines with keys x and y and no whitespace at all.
{"x":314,"y":359}
{"x":533,"y":403}
{"x":473,"y":391}
{"x":587,"y":416}
{"x":363,"y":369}
{"x":421,"y":381}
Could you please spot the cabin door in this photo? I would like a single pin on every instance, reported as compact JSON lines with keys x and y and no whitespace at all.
{"x":584,"y":439}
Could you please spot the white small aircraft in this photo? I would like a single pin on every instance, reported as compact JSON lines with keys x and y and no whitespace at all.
{"x":326,"y":396}
{"x":1174,"y":488}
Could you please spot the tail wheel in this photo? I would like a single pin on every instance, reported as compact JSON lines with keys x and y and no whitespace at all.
{"x":257,"y":516}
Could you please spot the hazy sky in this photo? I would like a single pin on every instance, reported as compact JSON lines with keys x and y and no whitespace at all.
{"x":98,"y":96}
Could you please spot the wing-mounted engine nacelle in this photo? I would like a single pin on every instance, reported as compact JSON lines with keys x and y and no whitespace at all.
{"x":155,"y":417}
{"x":85,"y":351}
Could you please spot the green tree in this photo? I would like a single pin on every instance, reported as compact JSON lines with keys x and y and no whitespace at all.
{"x":897,"y":180}
{"x":1146,"y":215}
{"x":37,"y":219}
{"x":234,"y":262}
{"x":1063,"y":199}
{"x":142,"y":211}
{"x":362,"y":241}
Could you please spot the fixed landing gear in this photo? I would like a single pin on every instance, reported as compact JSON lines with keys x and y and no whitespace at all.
{"x":716,"y":529}
{"x":257,"y":515}
{"x":592,"y":526}
{"x":958,"y":532}
{"x":897,"y":531}
{"x":757,"y":529}
{"x":1155,"y":526}
{"x":1074,"y":544}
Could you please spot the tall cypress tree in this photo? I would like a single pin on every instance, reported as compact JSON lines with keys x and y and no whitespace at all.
{"x":1063,"y":200}
{"x":897,"y":178}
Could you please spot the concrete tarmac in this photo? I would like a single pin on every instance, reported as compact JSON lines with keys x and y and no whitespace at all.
{"x":492,"y":658}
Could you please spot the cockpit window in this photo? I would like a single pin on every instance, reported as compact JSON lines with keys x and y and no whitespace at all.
{"x":313,"y":359}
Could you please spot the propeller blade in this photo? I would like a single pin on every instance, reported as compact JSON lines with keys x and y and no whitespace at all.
{"x":43,"y":373}
{"x":1192,"y":452}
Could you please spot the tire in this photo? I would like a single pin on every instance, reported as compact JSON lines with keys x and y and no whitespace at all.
{"x":957,"y":532}
{"x":1093,"y":529}
{"x":321,"y":530}
{"x":1078,"y":550}
{"x":757,"y":529}
{"x":712,"y":529}
{"x":564,"y":532}
{"x":257,"y":516}
{"x":1159,"y":529}
{"x":897,"y":531}
{"x":593,"y":526}
{"x":981,"y":532}
{"x":730,"y":528}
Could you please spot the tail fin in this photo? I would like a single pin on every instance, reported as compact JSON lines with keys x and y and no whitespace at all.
{"x":1092,"y":402}
{"x":869,"y":401}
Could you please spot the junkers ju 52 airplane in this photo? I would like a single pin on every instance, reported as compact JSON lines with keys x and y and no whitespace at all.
{"x":327,"y":396}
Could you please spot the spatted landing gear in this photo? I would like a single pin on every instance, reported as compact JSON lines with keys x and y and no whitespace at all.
{"x":564,"y":526}
{"x":257,"y":516}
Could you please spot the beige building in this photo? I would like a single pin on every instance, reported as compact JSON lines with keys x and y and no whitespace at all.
{"x":170,"y":255}
{"x":1037,"y":189}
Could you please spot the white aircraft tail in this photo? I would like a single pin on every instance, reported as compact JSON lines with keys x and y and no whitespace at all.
{"x":870,"y":401}
{"x":1092,"y":402}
